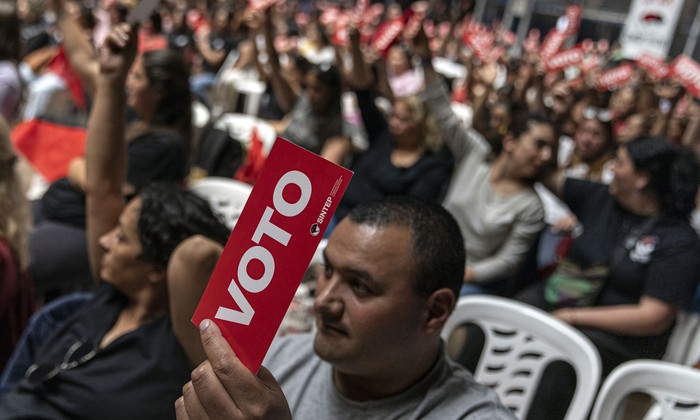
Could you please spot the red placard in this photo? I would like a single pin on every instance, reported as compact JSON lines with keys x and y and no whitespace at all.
{"x":564,"y":59}
{"x":386,"y":34}
{"x":590,"y":62}
{"x":552,"y":43}
{"x":573,"y":17}
{"x":687,"y":71}
{"x":654,"y":65}
{"x":480,"y":39}
{"x":270,"y":248}
{"x":615,"y":77}
{"x":532,"y":41}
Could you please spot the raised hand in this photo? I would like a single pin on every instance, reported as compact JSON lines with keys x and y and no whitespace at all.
{"x":222,"y":388}
{"x":118,"y":51}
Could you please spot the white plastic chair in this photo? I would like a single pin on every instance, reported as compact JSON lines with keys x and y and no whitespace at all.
{"x":200,"y":114}
{"x":520,"y":341}
{"x":675,"y":388}
{"x":684,"y":344}
{"x":226,"y":196}
{"x":240,"y":127}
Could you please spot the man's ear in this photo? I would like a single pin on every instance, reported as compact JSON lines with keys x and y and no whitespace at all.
{"x":440,"y":305}
{"x":641,"y":181}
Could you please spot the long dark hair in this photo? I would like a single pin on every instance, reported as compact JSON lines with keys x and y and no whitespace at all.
{"x":674,"y":173}
{"x":10,"y":45}
{"x":330,"y":123}
{"x":168,"y":73}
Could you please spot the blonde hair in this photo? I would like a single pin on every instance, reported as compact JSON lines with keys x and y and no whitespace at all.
{"x":15,"y":222}
{"x":421,"y":116}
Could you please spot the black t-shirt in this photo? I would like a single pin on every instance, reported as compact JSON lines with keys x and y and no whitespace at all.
{"x":376,"y":176}
{"x":137,"y":376}
{"x":662,"y":262}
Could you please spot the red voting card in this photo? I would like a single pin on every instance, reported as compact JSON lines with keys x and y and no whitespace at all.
{"x":270,"y":248}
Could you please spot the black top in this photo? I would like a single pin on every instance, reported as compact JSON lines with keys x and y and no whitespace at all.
{"x":137,"y":376}
{"x":662,"y":262}
{"x":376,"y":177}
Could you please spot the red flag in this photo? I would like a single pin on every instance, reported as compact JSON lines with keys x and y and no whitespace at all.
{"x":60,"y":65}
{"x":254,"y":161}
{"x":49,"y":147}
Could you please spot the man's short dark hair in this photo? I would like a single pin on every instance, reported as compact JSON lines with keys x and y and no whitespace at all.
{"x":438,"y":245}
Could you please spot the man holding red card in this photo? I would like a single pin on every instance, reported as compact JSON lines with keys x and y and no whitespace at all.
{"x":392,"y":272}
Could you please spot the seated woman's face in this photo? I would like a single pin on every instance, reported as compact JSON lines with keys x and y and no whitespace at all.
{"x":319,"y":94}
{"x":624,"y":174}
{"x":401,"y":122}
{"x":531,"y":152}
{"x":397,"y":61}
{"x":590,"y":139}
{"x":622,"y":102}
{"x":634,"y":127}
{"x":500,"y":117}
{"x":121,"y":265}
{"x":140,"y":96}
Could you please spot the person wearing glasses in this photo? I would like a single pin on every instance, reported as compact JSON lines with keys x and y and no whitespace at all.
{"x":129,"y":350}
{"x":494,"y":201}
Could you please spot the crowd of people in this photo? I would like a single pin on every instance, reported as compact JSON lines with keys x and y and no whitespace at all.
{"x":554,"y":189}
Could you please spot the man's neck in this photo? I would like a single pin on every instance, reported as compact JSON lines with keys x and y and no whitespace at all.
{"x":384,"y":384}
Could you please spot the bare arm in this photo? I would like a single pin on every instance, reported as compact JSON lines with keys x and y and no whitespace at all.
{"x":285,"y":95}
{"x":80,"y":52}
{"x":554,"y":180}
{"x":213,"y":57}
{"x":650,"y":317}
{"x":76,"y":173}
{"x":189,"y":270}
{"x":106,"y":141}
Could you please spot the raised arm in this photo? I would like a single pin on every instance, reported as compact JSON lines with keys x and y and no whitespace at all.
{"x":284,"y":93}
{"x":459,"y":139}
{"x":222,"y":388}
{"x":80,"y":52}
{"x":106,"y":141}
{"x":189,"y":270}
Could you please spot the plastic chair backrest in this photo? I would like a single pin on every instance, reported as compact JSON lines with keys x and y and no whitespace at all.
{"x":200,"y":114}
{"x":520,"y":341}
{"x":240,"y":127}
{"x":684,"y":344}
{"x":676,"y":389}
{"x":252,"y":91}
{"x":226,"y":196}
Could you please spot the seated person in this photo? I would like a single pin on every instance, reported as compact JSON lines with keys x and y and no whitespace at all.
{"x":494,"y":201}
{"x":158,"y":147}
{"x":637,"y":235}
{"x":16,"y":289}
{"x":314,"y":118}
{"x":129,"y":350}
{"x":403,"y":156}
{"x":392,"y":273}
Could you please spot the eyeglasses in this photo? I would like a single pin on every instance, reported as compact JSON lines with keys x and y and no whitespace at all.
{"x":79,"y":353}
{"x":602,"y":115}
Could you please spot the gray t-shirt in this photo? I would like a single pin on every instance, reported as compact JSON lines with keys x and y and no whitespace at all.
{"x":448,"y":391}
{"x":498,"y":230}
